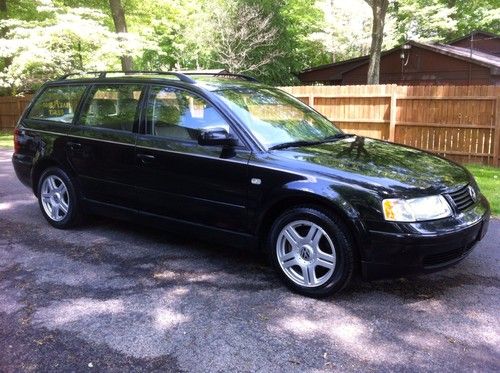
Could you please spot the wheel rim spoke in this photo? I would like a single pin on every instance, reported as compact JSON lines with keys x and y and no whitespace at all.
{"x":55,"y":211}
{"x":52,"y":183}
{"x":286,"y":257}
{"x":292,"y":236}
{"x":290,"y":263}
{"x":314,"y":235}
{"x":64,"y":207}
{"x":308,"y":275}
{"x":325,"y":264}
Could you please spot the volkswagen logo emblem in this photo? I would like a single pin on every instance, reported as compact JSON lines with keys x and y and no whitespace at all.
{"x":305,"y":253}
{"x":472,"y":193}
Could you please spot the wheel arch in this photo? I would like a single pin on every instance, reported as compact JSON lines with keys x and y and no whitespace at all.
{"x":279,"y":206}
{"x":40,"y":166}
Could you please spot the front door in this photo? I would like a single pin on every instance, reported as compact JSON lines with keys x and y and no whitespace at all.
{"x":101,"y":146}
{"x":182,"y":180}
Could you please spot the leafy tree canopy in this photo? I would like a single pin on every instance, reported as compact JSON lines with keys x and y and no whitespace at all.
{"x":270,"y":39}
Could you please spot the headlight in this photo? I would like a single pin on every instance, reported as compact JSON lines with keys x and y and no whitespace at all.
{"x":416,"y":209}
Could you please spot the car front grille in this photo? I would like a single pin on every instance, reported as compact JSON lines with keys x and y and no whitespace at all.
{"x":447,"y":256}
{"x":462,"y":198}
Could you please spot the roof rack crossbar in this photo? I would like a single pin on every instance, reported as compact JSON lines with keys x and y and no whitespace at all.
{"x":242,"y":76}
{"x":102,"y":74}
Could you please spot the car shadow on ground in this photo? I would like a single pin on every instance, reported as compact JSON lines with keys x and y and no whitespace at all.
{"x":240,"y":261}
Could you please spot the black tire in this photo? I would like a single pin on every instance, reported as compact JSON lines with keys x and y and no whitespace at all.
{"x":74,"y":215}
{"x":340,"y":238}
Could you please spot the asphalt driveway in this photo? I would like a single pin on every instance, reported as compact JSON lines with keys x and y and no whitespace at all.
{"x":111,"y":296}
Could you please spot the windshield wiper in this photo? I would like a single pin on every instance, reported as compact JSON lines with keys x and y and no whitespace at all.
{"x":292,"y":144}
{"x":337,"y":136}
{"x":298,"y":143}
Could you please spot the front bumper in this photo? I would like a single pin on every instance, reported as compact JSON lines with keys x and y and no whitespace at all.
{"x":404,"y":249}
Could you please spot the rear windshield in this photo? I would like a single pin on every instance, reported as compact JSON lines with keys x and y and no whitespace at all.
{"x":57,"y":104}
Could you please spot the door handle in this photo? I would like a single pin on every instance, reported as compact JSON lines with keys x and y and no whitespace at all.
{"x":145,"y":158}
{"x":74,"y":145}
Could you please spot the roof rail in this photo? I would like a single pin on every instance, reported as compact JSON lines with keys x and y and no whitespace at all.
{"x":184,"y":77}
{"x":102,"y":74}
{"x":241,"y":76}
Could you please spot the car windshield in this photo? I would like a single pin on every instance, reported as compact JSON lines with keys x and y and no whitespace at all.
{"x":275,"y":117}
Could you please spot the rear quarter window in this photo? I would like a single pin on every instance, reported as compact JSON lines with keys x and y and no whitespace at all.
{"x":57,"y":104}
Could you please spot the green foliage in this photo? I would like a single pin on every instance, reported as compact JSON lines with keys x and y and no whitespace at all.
{"x":298,"y":21}
{"x":40,"y":39}
{"x":63,"y":40}
{"x":342,"y":21}
{"x":425,"y":20}
{"x":475,"y":15}
{"x":180,"y":29}
{"x":438,"y":20}
{"x":6,"y":139}
{"x":488,"y":179}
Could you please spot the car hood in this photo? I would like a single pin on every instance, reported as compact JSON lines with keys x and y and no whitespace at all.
{"x":360,"y":160}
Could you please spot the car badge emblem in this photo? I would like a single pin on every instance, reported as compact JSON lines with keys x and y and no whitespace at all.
{"x":305,"y":253}
{"x":472,"y":193}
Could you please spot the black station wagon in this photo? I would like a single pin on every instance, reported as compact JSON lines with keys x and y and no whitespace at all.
{"x":226,"y":158}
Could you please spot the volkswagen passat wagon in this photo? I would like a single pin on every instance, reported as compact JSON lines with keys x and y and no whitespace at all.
{"x":228,"y":159}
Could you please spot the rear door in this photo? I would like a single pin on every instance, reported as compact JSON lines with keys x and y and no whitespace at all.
{"x":182,"y":180}
{"x":101,"y":144}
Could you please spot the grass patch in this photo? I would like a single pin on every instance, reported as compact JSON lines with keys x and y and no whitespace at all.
{"x":488,"y":179}
{"x":6,"y":138}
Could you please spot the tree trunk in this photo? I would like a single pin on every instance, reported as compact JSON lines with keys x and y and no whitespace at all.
{"x":120,"y":26}
{"x":379,"y":9}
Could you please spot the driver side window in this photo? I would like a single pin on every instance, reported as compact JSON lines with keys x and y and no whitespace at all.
{"x":180,"y":115}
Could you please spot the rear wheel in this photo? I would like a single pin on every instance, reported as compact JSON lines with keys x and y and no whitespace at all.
{"x":312,"y":251}
{"x":57,"y":198}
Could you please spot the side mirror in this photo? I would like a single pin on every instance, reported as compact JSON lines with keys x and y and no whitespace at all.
{"x":216,"y":136}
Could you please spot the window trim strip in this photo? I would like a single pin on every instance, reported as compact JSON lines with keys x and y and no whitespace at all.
{"x":142,"y":146}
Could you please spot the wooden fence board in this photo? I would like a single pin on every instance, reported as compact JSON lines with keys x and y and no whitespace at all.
{"x":11,"y":109}
{"x":459,"y":122}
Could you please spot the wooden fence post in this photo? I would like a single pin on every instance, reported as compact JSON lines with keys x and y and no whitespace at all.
{"x":311,"y":100}
{"x":392,"y":117}
{"x":496,"y":143}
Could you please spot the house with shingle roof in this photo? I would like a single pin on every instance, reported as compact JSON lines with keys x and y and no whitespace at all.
{"x":473,"y":59}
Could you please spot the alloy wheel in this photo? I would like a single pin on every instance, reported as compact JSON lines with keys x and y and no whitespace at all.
{"x":306,"y":253}
{"x":55,"y":197}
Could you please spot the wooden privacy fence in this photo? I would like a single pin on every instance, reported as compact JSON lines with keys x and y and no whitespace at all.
{"x":11,"y":108}
{"x":458,"y":122}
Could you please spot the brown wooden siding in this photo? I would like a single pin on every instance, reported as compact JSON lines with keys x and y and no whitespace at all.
{"x":424,"y":67}
{"x":482,"y":43}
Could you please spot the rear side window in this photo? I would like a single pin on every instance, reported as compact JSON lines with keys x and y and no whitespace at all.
{"x":181,"y":115}
{"x":112,"y":106}
{"x":57,"y":104}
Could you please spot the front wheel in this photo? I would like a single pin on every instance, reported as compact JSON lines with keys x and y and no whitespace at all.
{"x":57,"y":197}
{"x":312,"y":251}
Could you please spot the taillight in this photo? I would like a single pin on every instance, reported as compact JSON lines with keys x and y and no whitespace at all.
{"x":17,"y":143}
